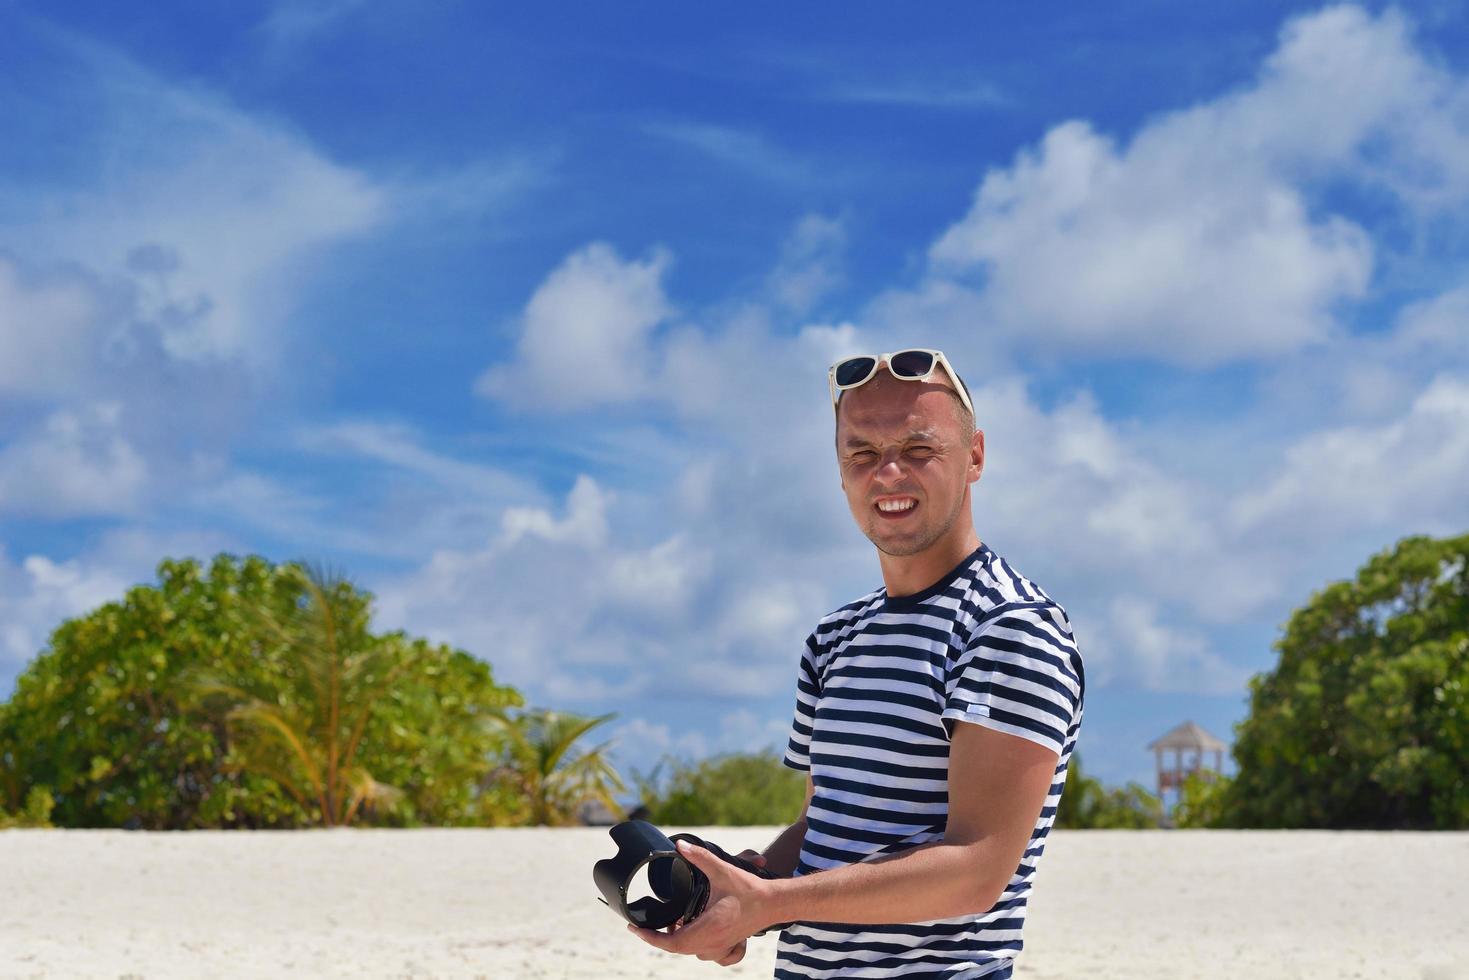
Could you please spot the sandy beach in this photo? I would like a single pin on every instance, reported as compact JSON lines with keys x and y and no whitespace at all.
{"x":520,"y":903}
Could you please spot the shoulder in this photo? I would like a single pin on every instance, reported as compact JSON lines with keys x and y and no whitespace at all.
{"x":1014,"y":614}
{"x":843,"y":619}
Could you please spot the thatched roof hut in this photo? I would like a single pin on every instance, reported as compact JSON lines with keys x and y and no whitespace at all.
{"x":1188,"y":737}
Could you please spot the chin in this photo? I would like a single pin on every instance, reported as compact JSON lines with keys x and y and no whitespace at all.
{"x":900,"y":547}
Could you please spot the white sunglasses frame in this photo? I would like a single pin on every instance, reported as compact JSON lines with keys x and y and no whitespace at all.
{"x":878,"y":360}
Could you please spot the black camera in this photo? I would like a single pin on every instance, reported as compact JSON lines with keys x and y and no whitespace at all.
{"x":680,"y":890}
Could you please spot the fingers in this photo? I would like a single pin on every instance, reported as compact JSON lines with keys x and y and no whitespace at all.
{"x":707,"y":861}
{"x":734,"y":955}
{"x":754,"y":857}
{"x":680,"y":938}
{"x":654,"y":938}
{"x":681,"y":943}
{"x":702,"y":859}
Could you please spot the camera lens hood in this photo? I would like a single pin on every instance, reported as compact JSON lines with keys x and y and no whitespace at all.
{"x":680,"y":890}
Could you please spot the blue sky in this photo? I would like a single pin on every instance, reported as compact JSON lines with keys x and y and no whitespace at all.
{"x":521,"y":317}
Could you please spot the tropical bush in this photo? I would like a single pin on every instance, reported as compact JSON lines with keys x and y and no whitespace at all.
{"x":248,"y":695}
{"x":35,"y":813}
{"x":1364,"y":721}
{"x":1087,"y":804}
{"x":544,"y":776}
{"x":1201,"y":801}
{"x":733,"y":790}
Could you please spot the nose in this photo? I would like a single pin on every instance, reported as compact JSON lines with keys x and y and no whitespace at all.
{"x":890,"y":468}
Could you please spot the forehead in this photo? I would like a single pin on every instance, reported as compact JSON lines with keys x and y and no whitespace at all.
{"x":888,"y":409}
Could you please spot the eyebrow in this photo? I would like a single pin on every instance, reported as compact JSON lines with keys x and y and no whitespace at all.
{"x":923,"y":435}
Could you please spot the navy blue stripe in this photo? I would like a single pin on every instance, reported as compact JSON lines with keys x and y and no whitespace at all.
{"x":848,"y":763}
{"x":882,"y":838}
{"x":867,"y":695}
{"x":983,"y":691}
{"x":929,"y":729}
{"x":937,"y":750}
{"x":866,"y":789}
{"x":902,"y":675}
{"x":918,"y":821}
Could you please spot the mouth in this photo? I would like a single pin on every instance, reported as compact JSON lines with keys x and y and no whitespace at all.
{"x":895,"y":508}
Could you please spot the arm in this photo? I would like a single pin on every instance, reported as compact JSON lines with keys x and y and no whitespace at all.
{"x":997,"y":786}
{"x":784,"y":853}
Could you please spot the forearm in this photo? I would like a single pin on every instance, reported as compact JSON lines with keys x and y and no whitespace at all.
{"x":784,"y":853}
{"x":932,"y":881}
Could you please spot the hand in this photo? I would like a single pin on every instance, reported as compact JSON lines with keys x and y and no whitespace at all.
{"x":736,"y":910}
{"x":754,"y":857}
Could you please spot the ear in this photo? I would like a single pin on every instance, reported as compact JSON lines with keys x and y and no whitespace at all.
{"x":976,"y":456}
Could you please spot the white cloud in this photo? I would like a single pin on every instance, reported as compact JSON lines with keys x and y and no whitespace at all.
{"x":401,"y":448}
{"x":204,"y":214}
{"x":48,"y":334}
{"x":742,"y":730}
{"x":78,"y":463}
{"x":742,"y":148}
{"x":37,"y":592}
{"x":1203,"y":239}
{"x":144,"y":295}
{"x":584,"y":337}
{"x":663,"y":579}
{"x":955,"y":92}
{"x":585,"y":522}
{"x":291,"y":23}
{"x":1130,"y":644}
{"x":641,"y":745}
{"x":810,"y":264}
{"x":583,"y":605}
{"x":1409,"y":473}
{"x":474,"y":191}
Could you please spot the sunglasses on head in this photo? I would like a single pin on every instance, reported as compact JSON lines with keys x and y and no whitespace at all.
{"x":915,"y":364}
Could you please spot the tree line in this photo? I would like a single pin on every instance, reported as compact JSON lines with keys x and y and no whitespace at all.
{"x":253,"y":695}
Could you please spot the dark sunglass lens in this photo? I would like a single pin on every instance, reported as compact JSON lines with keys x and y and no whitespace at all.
{"x":911,"y":363}
{"x":853,"y":370}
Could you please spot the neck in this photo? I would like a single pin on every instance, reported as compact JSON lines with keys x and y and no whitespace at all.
{"x":907,"y":574}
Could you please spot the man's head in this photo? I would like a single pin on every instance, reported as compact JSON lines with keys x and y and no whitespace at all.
{"x":907,"y":451}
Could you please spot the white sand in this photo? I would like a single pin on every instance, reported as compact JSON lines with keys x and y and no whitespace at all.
{"x":520,"y":903}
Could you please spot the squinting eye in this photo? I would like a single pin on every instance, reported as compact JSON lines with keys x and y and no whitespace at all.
{"x":863,"y":455}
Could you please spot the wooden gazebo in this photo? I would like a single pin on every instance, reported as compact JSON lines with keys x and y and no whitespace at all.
{"x":1182,"y":741}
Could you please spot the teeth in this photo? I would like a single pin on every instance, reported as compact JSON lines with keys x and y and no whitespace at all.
{"x":895,"y":505}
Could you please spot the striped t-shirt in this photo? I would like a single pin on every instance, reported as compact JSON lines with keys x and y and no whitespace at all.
{"x":881,"y":681}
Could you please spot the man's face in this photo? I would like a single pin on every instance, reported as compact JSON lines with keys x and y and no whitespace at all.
{"x":905,"y":463}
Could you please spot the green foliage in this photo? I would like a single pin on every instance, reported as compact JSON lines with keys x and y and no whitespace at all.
{"x":1201,"y":801}
{"x":1087,"y":804}
{"x":304,"y":727}
{"x":1364,"y":722}
{"x":729,"y":790}
{"x":36,"y":812}
{"x":546,"y":773}
{"x":111,"y":717}
{"x":431,"y":736}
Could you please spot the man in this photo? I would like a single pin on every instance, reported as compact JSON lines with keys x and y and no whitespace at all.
{"x":935,"y":717}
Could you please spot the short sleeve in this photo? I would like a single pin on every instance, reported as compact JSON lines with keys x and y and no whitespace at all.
{"x":1020,"y":674}
{"x":808,"y":692}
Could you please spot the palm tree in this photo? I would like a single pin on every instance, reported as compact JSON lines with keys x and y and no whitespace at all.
{"x":306,"y":731}
{"x":543,"y":763}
